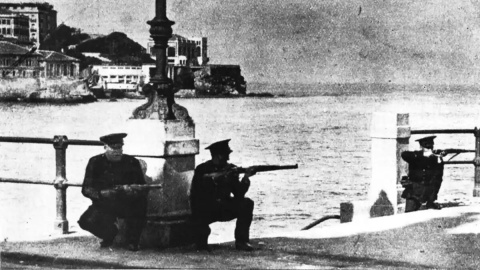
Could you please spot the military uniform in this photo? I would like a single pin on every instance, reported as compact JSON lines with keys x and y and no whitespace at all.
{"x":211,"y":201}
{"x":100,"y":217}
{"x":425,"y":175}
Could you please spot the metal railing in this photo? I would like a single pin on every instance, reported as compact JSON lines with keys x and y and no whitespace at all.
{"x":475,"y":161}
{"x":60,"y":144}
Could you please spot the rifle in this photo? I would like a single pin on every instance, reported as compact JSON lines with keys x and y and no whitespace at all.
{"x":454,"y":151}
{"x":265,"y":168}
{"x":256,"y":168}
{"x":137,"y":187}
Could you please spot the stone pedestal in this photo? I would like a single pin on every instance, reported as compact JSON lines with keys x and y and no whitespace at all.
{"x":390,"y":134}
{"x":168,"y":148}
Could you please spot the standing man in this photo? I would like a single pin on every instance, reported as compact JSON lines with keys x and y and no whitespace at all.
{"x":211,"y":198}
{"x":425,"y":172}
{"x":103,"y":175}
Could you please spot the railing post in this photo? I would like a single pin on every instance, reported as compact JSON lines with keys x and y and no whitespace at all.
{"x":60,"y":143}
{"x":476,"y":163}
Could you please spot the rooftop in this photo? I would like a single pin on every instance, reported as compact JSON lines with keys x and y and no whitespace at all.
{"x":56,"y":56}
{"x":7,"y":48}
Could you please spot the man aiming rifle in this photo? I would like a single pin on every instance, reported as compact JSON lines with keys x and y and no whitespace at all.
{"x":211,"y":199}
{"x":425,"y":175}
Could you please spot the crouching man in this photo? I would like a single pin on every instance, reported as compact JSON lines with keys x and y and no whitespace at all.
{"x":103,"y":175}
{"x":211,"y":198}
{"x":425,"y":172}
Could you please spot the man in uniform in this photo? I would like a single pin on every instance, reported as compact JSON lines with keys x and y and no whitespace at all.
{"x":425,"y":173}
{"x":211,"y":198}
{"x":103,"y":173}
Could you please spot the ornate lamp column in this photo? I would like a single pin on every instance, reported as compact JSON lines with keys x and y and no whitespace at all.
{"x":160,"y":85}
{"x":163,"y":133}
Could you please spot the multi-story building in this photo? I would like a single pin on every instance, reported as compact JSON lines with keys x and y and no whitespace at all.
{"x":182,"y":51}
{"x":42,"y":16}
{"x":14,"y":26}
{"x":16,"y":61}
{"x":201,"y":50}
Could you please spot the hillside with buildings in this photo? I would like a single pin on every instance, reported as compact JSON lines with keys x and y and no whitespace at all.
{"x":35,"y":47}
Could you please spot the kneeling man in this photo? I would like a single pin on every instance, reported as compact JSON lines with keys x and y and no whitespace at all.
{"x":103,"y":173}
{"x":210,"y":197}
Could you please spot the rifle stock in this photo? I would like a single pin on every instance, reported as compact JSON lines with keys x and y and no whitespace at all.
{"x":138,"y":187}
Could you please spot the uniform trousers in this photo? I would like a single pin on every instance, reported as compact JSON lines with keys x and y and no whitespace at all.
{"x":224,"y":210}
{"x":100,"y":221}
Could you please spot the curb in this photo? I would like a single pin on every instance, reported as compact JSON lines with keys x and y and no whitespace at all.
{"x":18,"y":258}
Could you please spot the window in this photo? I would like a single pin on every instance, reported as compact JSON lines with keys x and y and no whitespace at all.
{"x":9,"y":32}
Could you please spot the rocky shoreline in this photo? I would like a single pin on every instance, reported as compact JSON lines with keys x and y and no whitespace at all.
{"x":38,"y":90}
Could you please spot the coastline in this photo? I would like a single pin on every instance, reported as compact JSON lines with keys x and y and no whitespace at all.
{"x":41,"y":90}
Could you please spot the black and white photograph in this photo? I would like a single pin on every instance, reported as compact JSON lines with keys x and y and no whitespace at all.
{"x":239,"y":134}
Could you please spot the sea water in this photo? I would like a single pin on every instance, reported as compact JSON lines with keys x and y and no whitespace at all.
{"x":325,"y":129}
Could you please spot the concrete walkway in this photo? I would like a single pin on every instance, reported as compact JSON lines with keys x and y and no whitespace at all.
{"x":428,"y":239}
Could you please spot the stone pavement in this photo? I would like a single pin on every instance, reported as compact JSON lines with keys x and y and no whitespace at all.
{"x":428,"y":239}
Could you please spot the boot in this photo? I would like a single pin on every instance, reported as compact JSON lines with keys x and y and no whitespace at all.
{"x":433,"y":205}
{"x":245,"y":246}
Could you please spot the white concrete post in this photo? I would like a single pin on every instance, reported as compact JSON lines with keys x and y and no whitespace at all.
{"x":390,"y":133}
{"x":168,"y":208}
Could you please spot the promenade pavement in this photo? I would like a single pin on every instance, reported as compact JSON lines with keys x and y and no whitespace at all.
{"x":427,"y":239}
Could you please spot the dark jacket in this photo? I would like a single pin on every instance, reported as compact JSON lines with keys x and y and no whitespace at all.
{"x":104,"y":174}
{"x":206,"y":194}
{"x":426,"y":175}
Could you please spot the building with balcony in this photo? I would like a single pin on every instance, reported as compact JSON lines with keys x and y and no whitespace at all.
{"x":182,"y":51}
{"x":42,"y":17}
{"x":14,"y":26}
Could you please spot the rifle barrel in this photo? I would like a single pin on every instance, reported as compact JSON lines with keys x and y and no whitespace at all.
{"x":266,"y":168}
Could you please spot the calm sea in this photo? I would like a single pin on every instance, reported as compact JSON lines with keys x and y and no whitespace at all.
{"x":322,"y":128}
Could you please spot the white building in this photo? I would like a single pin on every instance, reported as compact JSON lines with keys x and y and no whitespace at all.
{"x":182,"y":51}
{"x":123,"y":78}
{"x":43,"y":18}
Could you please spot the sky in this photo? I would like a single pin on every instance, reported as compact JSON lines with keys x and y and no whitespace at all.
{"x":310,"y":41}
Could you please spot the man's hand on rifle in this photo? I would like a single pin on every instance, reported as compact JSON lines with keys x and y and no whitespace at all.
{"x":131,"y":191}
{"x":250,"y":171}
{"x":223,"y":175}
